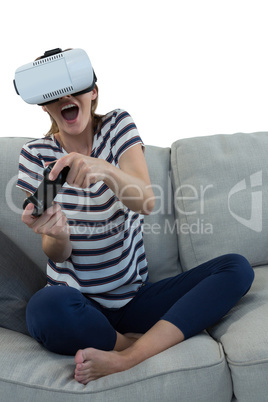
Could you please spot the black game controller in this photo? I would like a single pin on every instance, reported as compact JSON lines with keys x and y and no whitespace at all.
{"x":47,"y":190}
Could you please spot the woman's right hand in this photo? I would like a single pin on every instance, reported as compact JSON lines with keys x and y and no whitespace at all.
{"x":55,"y":231}
{"x":52,"y":222}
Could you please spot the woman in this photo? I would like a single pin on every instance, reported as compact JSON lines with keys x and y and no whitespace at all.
{"x":99,"y":304}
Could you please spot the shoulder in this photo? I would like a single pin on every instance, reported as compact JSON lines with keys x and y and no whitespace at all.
{"x":116,"y":113}
{"x":44,"y":145}
{"x":39,"y":143}
{"x":114,"y":118}
{"x":41,"y":150}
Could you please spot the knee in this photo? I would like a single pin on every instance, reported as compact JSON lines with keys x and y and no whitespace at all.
{"x":242,"y":272}
{"x":62,"y":319}
{"x":47,"y":307}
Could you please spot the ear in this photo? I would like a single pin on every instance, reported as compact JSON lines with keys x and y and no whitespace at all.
{"x":94,"y":93}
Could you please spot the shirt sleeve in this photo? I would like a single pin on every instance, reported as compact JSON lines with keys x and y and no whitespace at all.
{"x":31,"y":166}
{"x":124,"y":134}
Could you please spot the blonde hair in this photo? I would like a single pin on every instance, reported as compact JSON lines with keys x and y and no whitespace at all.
{"x":95,"y":117}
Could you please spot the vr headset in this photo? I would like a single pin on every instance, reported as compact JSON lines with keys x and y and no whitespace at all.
{"x":54,"y":75}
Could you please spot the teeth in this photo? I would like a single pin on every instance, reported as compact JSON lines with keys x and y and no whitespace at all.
{"x":68,"y":106}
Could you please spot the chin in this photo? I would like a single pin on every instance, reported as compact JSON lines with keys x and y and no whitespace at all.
{"x":75,"y":130}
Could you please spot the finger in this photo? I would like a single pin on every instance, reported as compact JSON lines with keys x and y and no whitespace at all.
{"x":27,"y":216}
{"x":60,"y":164}
{"x":48,"y":163}
{"x":89,"y":178}
{"x":73,"y":174}
{"x":83,"y":177}
{"x":48,"y":214}
{"x":46,"y":220}
{"x":57,"y":225}
{"x":54,"y":224}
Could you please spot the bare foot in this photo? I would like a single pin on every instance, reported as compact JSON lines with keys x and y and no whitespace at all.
{"x":92,"y":364}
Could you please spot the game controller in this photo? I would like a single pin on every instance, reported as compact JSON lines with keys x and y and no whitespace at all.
{"x":47,"y":190}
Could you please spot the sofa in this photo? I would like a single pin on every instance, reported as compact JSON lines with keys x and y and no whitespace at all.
{"x":211,"y":199}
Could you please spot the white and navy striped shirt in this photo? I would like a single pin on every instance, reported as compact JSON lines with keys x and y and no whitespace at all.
{"x":108,"y":260}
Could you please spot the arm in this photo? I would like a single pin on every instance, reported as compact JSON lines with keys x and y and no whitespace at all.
{"x":130,"y":183}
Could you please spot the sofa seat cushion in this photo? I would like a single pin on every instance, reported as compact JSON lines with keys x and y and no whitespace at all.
{"x":221,"y":197}
{"x":193,"y":370}
{"x":243,"y":334}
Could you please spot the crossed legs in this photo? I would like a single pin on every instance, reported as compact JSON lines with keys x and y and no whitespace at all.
{"x":165,"y":313}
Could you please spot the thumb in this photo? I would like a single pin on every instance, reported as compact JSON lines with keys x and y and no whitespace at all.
{"x":27,"y":216}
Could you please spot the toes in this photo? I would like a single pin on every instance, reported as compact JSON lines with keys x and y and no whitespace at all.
{"x":82,"y":372}
{"x":79,"y":357}
{"x":82,"y":369}
{"x":84,"y":377}
{"x":82,"y":380}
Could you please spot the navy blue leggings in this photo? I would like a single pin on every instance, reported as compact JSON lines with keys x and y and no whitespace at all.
{"x":64,"y":320}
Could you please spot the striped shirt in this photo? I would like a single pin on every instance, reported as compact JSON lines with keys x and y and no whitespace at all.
{"x":108,"y":261}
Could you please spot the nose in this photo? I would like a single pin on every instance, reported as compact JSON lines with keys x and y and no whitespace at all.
{"x":65,"y":96}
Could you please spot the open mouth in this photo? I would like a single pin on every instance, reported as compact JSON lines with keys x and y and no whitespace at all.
{"x":70,"y":112}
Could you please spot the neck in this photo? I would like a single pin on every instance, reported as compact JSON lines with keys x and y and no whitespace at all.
{"x":80,"y":143}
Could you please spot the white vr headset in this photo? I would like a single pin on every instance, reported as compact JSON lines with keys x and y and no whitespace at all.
{"x":54,"y":75}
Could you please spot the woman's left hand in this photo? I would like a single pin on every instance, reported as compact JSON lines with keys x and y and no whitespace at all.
{"x":84,"y":170}
{"x":130,"y":182}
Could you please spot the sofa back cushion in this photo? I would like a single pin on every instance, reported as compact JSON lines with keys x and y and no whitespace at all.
{"x":221,"y":197}
{"x":160,"y":235}
{"x":159,"y":231}
{"x":11,"y":200}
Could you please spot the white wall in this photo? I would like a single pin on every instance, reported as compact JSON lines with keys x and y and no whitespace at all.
{"x":181,"y":68}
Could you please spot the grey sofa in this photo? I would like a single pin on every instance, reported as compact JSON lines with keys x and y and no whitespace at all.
{"x":211,"y":198}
